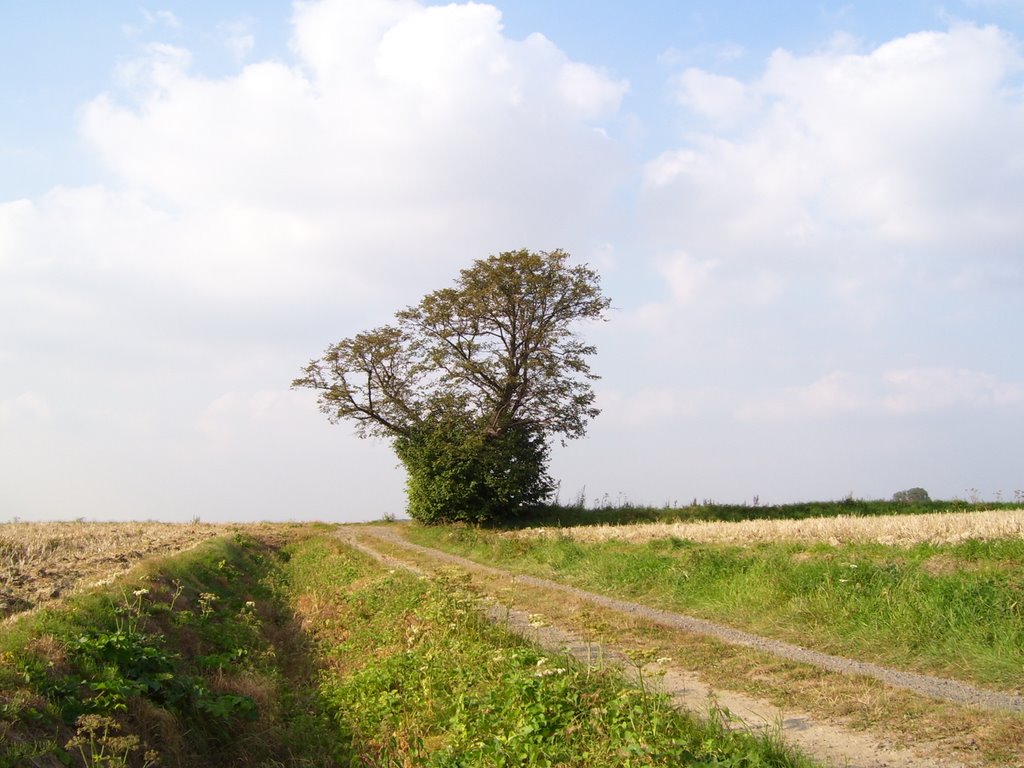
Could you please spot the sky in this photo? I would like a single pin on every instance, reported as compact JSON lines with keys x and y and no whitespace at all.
{"x":809,"y":217}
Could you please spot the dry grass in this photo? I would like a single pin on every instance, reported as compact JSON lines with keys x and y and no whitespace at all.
{"x":41,"y":562}
{"x":892,"y":530}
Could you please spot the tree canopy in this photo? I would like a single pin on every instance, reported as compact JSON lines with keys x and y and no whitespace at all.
{"x":470,"y":383}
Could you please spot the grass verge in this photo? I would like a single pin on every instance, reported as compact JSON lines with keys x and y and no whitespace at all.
{"x":190,"y":661}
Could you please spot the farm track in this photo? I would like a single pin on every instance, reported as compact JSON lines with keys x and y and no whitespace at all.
{"x":830,"y":742}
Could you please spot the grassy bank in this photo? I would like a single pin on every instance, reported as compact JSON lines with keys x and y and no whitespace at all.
{"x":416,"y":676}
{"x":955,"y":610}
{"x":190,"y":661}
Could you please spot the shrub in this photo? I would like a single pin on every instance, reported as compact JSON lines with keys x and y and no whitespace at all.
{"x":911,"y":496}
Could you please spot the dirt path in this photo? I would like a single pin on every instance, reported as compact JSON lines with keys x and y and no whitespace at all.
{"x":829,"y":742}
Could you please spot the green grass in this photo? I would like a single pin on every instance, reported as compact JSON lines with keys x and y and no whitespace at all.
{"x":953,"y":609}
{"x":416,"y":676}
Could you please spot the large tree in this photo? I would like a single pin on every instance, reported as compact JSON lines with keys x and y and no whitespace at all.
{"x":472,"y":382}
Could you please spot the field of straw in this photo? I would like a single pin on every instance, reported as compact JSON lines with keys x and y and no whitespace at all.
{"x":40,"y":562}
{"x":893,"y":530}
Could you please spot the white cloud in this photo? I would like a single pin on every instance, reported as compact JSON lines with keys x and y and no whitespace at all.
{"x":221,"y":419}
{"x":403,"y":125}
{"x":591,"y":94}
{"x":162,"y":18}
{"x":238,"y":38}
{"x":893,"y":393}
{"x":835,"y":393}
{"x":723,"y":100}
{"x":648,"y":406}
{"x":163,"y":67}
{"x":850,"y":210}
{"x":706,"y":291}
{"x":915,"y":390}
{"x":28,"y":405}
{"x":277,"y":197}
{"x":917,"y":143}
{"x":687,"y":278}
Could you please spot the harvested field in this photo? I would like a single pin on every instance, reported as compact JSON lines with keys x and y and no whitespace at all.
{"x":891,"y":530}
{"x":41,"y":562}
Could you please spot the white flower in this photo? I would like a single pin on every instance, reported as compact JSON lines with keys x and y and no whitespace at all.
{"x":548,"y":672}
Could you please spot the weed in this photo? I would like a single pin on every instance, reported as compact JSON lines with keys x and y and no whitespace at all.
{"x":99,"y":743}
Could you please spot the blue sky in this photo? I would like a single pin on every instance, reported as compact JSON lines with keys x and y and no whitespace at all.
{"x":807,"y":216}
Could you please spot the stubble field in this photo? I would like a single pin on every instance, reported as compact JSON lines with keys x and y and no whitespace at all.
{"x":43,"y":562}
{"x":890,"y":530}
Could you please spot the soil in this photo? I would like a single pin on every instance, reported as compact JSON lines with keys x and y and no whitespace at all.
{"x":829,"y":742}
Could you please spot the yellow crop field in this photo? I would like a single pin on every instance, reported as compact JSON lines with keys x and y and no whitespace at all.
{"x":892,"y":530}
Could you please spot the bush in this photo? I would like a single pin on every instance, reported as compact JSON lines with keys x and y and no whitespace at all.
{"x":455,"y":475}
{"x":911,"y":496}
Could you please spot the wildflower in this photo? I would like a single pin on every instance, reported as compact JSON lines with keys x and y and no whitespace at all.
{"x":663,"y":659}
{"x":548,"y":672}
{"x":140,"y":592}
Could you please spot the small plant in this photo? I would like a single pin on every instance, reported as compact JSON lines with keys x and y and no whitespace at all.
{"x":206,"y":604}
{"x":229,"y":570}
{"x":99,"y":743}
{"x":640,"y":658}
{"x":128,"y":615}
